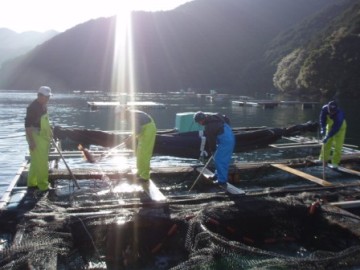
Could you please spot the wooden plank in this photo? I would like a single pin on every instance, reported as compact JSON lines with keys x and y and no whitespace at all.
{"x":294,"y":145}
{"x":7,"y":194}
{"x":206,"y":172}
{"x":232,"y":189}
{"x":302,"y":174}
{"x":229,"y":187}
{"x":153,"y":191}
{"x":344,"y":170}
{"x":349,"y":171}
{"x":346,"y":204}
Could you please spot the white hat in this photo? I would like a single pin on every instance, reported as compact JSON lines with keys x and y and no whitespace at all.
{"x":45,"y":91}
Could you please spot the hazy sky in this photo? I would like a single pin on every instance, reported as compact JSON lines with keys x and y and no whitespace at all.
{"x":59,"y":15}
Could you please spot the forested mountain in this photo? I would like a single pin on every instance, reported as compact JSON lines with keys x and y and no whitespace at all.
{"x":14,"y":44}
{"x":322,"y":55}
{"x":229,"y":45}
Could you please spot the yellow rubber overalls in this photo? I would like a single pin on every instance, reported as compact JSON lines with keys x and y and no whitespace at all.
{"x":336,"y":140}
{"x":145,"y":147}
{"x":39,"y":167}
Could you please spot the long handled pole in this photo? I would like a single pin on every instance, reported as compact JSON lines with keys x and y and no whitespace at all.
{"x":67,"y":166}
{"x":112,"y":149}
{"x":323,"y":158}
{"x":202,"y":171}
{"x":89,"y":157}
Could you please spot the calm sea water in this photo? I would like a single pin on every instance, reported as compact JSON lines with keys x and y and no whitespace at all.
{"x":71,"y":110}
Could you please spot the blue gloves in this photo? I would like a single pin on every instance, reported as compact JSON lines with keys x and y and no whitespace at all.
{"x":325,"y":139}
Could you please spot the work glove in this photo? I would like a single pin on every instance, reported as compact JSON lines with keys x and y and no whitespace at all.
{"x":203,"y":156}
{"x":203,"y":153}
{"x":325,"y":139}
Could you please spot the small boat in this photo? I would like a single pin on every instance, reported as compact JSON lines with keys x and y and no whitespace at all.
{"x":182,"y":144}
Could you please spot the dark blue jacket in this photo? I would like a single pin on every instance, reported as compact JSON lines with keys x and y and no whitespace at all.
{"x":338,"y":117}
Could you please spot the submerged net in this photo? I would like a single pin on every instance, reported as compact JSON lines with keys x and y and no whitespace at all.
{"x":93,"y":229}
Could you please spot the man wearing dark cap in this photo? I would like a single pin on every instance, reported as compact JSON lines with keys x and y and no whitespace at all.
{"x":220,"y":142}
{"x":38,"y":136}
{"x":333,"y":128}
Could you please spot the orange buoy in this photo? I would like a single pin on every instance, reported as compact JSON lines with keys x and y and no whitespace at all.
{"x":314,"y":207}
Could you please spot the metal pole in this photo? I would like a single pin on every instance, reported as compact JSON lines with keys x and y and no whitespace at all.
{"x":110,"y":150}
{"x":202,"y":171}
{"x":323,"y":157}
{"x":67,"y":166}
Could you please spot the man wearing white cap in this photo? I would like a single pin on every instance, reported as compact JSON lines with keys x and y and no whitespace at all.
{"x":38,"y":136}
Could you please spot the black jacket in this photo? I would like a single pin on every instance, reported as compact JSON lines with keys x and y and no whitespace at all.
{"x":214,"y":126}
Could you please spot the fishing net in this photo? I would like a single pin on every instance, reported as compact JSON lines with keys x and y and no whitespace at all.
{"x":98,"y":228}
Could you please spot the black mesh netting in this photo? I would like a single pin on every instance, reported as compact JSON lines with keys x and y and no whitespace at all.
{"x":94,"y":230}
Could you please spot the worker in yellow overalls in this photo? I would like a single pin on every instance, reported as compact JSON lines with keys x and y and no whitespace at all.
{"x":38,"y":135}
{"x":333,"y":127}
{"x":143,"y":139}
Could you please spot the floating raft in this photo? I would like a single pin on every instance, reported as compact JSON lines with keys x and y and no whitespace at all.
{"x":270,"y":104}
{"x":265,"y":104}
{"x":94,"y":105}
{"x":105,"y":223}
{"x":240,"y":174}
{"x":304,"y":105}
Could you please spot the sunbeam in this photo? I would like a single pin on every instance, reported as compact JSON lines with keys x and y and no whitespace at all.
{"x":122,"y":77}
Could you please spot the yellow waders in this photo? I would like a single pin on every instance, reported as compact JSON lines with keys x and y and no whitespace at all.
{"x":39,"y":167}
{"x":144,"y":151}
{"x":337,"y":141}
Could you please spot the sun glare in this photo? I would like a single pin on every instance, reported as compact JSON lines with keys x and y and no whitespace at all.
{"x":123,"y":81}
{"x":123,"y":75}
{"x":122,"y":70}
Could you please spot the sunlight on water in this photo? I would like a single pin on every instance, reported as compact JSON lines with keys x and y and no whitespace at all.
{"x":126,"y":187}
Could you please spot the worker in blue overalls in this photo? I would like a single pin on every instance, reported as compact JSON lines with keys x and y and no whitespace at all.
{"x":333,"y":127}
{"x":220,"y":142}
